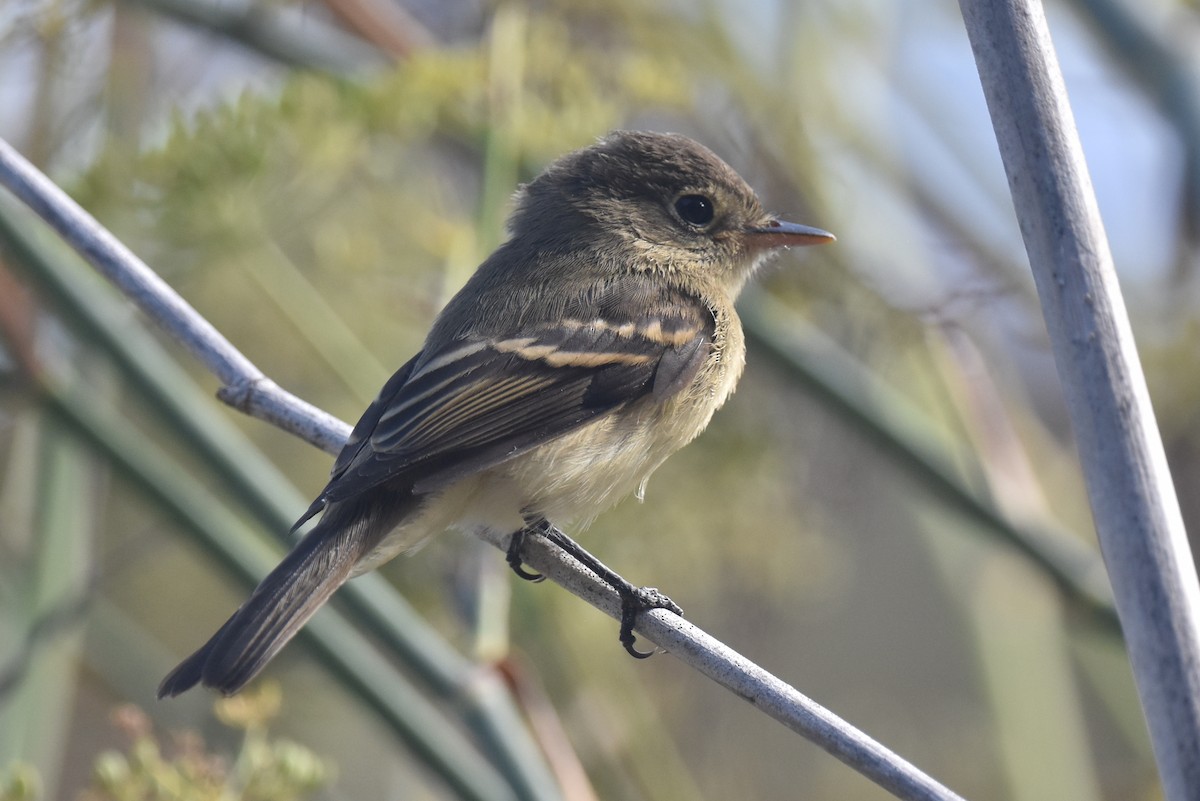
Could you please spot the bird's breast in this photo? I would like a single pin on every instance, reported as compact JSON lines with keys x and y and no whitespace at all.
{"x":575,"y":477}
{"x":572,"y":478}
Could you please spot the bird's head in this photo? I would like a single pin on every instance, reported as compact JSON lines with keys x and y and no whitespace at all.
{"x":656,"y":202}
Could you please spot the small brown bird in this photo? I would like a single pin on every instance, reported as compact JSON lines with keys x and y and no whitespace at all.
{"x":595,"y":342}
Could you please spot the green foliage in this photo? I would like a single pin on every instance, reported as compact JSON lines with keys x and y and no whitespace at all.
{"x":20,"y":782}
{"x":330,"y":145}
{"x":184,"y":770}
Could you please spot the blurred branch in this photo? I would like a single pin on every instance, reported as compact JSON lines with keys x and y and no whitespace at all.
{"x":66,"y":615}
{"x":384,"y":23}
{"x":276,"y":31}
{"x":994,"y":250}
{"x":901,"y":432}
{"x":244,"y":386}
{"x":302,"y":304}
{"x":1132,"y":496}
{"x":345,"y":652}
{"x":62,"y":608}
{"x":37,"y":688}
{"x":98,"y":316}
{"x":687,"y":642}
{"x":1168,"y":73}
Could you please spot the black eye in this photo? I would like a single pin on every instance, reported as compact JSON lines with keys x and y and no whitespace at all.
{"x":695,"y":209}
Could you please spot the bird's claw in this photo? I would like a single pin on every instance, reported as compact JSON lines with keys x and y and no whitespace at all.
{"x":635,"y":600}
{"x":513,"y":557}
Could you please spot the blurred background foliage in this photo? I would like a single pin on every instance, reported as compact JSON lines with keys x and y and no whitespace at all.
{"x":888,"y":514}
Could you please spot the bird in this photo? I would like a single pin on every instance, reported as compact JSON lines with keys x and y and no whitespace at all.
{"x":599,"y":338}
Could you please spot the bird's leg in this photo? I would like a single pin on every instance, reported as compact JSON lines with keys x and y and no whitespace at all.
{"x":533,"y":525}
{"x":633,"y":599}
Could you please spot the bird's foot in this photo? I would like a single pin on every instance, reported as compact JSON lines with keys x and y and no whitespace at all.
{"x":635,"y":600}
{"x":513,"y":553}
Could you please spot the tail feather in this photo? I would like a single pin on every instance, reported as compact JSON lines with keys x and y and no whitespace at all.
{"x":278,"y":608}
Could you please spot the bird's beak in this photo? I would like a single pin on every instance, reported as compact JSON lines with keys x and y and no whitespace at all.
{"x":780,"y":234}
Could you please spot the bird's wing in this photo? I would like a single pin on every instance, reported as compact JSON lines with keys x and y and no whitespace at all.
{"x":476,"y":402}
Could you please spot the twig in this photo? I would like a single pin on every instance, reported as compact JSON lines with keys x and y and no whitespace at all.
{"x":245,"y":388}
{"x":705,"y":654}
{"x":261,"y":398}
{"x":1133,"y":500}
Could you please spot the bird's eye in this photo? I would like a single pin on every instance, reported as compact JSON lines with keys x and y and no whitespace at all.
{"x":695,"y":209}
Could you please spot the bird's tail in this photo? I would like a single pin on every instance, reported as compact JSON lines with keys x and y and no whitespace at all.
{"x":279,"y":606}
